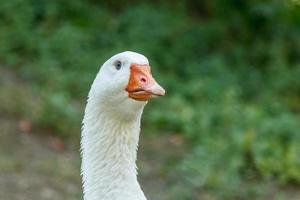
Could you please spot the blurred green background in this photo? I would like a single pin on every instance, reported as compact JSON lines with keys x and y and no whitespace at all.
{"x":228,"y":128}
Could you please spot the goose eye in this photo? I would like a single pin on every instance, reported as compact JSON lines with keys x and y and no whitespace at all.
{"x":118,"y":65}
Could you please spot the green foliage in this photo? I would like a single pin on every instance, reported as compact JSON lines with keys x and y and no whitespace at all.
{"x":231,"y":70}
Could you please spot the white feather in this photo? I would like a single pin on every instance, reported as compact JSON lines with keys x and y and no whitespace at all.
{"x":110,"y":134}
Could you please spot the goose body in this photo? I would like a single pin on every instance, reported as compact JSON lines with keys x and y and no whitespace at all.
{"x":111,"y":127}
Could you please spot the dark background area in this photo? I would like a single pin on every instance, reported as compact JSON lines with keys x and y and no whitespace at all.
{"x":228,"y":128}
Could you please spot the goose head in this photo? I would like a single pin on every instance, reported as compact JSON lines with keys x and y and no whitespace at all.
{"x":124,"y":84}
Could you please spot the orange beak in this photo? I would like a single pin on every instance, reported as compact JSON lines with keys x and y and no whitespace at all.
{"x":141,"y":85}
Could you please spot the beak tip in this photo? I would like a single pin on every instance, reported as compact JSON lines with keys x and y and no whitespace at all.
{"x":163,"y":92}
{"x":158,"y":90}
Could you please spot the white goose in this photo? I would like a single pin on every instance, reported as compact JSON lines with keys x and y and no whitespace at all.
{"x":111,"y":127}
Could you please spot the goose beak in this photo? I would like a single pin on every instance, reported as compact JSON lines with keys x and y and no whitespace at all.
{"x":141,"y":85}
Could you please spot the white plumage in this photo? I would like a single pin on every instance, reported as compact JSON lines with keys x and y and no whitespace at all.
{"x":111,"y":126}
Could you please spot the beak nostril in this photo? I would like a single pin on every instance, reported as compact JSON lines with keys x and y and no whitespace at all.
{"x":143,"y":79}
